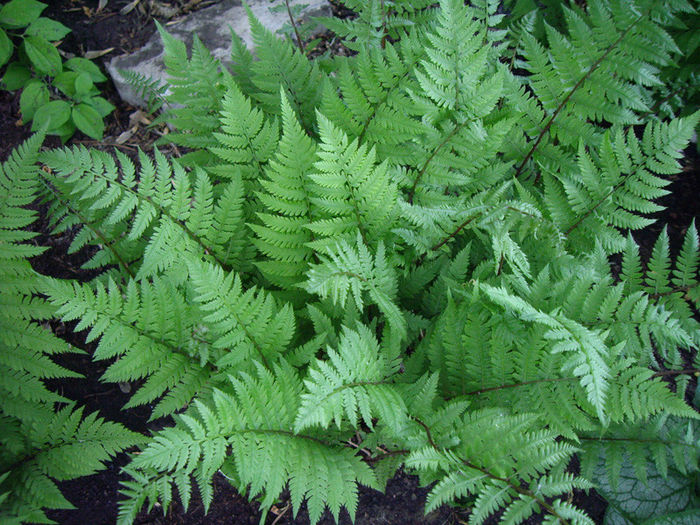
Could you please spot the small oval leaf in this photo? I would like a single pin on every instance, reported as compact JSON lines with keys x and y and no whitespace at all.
{"x":89,"y":121}
{"x":47,"y":28}
{"x":16,"y":77}
{"x":43,"y":55}
{"x":83,"y":65}
{"x":51,"y":116}
{"x":20,"y":13}
{"x":5,"y":47}
{"x":34,"y":96}
{"x":83,"y":85}
{"x":101,"y":105}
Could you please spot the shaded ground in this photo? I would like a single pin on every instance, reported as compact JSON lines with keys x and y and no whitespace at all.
{"x":96,"y":497}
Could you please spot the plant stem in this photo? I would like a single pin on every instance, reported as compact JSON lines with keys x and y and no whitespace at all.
{"x":294,"y":26}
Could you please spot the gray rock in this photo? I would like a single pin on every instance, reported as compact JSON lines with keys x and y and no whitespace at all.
{"x":212,"y":26}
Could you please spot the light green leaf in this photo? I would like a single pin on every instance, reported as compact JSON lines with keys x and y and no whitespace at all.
{"x":101,"y":105}
{"x":83,"y":84}
{"x":65,"y":83}
{"x":83,"y":65}
{"x":43,"y":55}
{"x":34,"y":95}
{"x":20,"y":13}
{"x":88,"y":120}
{"x":47,"y":28}
{"x":5,"y":47}
{"x":16,"y":77}
{"x":52,"y":115}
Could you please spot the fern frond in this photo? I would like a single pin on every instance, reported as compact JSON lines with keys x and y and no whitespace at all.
{"x":246,"y":140}
{"x":614,"y":190}
{"x":64,"y":446}
{"x":244,"y":324}
{"x":299,"y":78}
{"x":151,"y":90}
{"x":282,"y":237}
{"x":151,"y":328}
{"x":256,"y":422}
{"x":141,"y":219}
{"x":490,"y":476}
{"x":351,"y":192}
{"x":586,"y":348}
{"x":353,"y":383}
{"x":378,"y":22}
{"x":355,"y":270}
{"x":196,"y":85}
{"x":370,"y":102}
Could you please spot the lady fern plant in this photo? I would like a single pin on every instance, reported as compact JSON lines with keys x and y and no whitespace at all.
{"x":43,"y":436}
{"x":409,"y":251}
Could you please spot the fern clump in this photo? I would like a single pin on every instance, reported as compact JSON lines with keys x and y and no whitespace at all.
{"x":410,"y":247}
{"x":44,"y":438}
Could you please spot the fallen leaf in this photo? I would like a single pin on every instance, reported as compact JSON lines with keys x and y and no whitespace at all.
{"x":139,"y":117}
{"x":126,"y":135}
{"x":95,"y":54}
{"x":128,"y":8}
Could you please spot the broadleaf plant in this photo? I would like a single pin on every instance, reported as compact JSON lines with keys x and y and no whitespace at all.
{"x":410,"y":250}
{"x":57,"y":97}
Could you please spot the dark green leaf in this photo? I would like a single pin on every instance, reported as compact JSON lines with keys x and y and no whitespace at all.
{"x":65,"y":83}
{"x":102,"y":106}
{"x":43,"y":55}
{"x":34,"y":96}
{"x":5,"y":47}
{"x":65,"y":131}
{"x":83,"y":65}
{"x":51,"y":116}
{"x":47,"y":28}
{"x":633,"y":501}
{"x":89,"y":121}
{"x":83,"y":84}
{"x":16,"y":76}
{"x":20,"y":13}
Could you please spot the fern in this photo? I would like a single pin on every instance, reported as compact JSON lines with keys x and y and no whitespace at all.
{"x":286,"y":195}
{"x":39,"y":443}
{"x":407,"y":249}
{"x":255,"y":421}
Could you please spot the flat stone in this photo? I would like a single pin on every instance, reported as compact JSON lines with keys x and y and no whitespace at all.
{"x":212,"y":25}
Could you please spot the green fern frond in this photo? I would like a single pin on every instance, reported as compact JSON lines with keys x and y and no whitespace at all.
{"x":299,"y":78}
{"x":614,"y":190}
{"x":152,"y":91}
{"x":370,"y":101}
{"x":139,"y":216}
{"x":378,"y":22}
{"x":353,"y":383}
{"x":151,"y":328}
{"x":195,"y":86}
{"x":244,"y":324}
{"x":351,"y":192}
{"x":663,"y":443}
{"x":355,"y":270}
{"x":465,"y":469}
{"x":246,"y":140}
{"x":256,"y":423}
{"x":64,"y":446}
{"x":586,"y":348}
{"x":282,"y":237}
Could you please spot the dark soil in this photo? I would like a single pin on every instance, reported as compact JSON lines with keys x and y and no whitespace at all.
{"x":96,"y":497}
